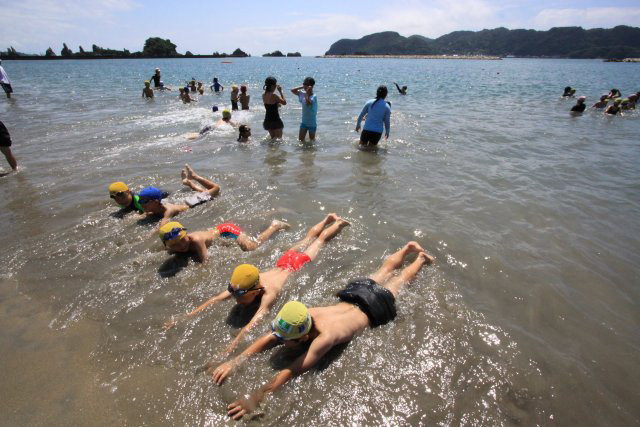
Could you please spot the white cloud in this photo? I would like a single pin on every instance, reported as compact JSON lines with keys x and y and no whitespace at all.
{"x":37,"y":22}
{"x":604,"y":17}
{"x":439,"y":17}
{"x":315,"y":35}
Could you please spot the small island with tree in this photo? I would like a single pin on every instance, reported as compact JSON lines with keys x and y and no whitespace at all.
{"x":154,"y":47}
{"x":274,"y":54}
{"x":279,"y":54}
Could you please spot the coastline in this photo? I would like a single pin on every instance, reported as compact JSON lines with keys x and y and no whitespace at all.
{"x":468,"y":57}
{"x":622,"y":60}
{"x":83,"y":58}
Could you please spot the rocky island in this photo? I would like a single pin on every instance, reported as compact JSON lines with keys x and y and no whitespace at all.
{"x":562,"y":42}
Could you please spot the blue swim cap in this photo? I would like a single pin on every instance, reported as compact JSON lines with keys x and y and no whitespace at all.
{"x":186,"y":88}
{"x":214,"y":108}
{"x":152,"y":193}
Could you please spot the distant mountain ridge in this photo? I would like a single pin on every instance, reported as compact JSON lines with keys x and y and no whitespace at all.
{"x":560,"y":42}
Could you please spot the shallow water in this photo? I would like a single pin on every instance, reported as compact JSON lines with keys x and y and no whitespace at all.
{"x":529,"y":316}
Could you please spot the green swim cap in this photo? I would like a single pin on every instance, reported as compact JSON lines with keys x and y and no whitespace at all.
{"x":226,"y":114}
{"x":292,"y":322}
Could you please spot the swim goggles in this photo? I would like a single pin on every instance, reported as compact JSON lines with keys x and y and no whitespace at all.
{"x":118,"y":194}
{"x":279,"y":337}
{"x":239,"y":292}
{"x":175,"y":232}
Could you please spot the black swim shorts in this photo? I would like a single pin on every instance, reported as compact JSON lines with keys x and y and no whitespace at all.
{"x":5,"y":138}
{"x":273,"y":124}
{"x":370,"y":138}
{"x":376,"y":302}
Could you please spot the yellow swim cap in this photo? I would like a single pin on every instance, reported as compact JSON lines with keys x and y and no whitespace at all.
{"x":292,"y":322}
{"x":234,"y":86}
{"x":226,"y":114}
{"x":147,"y":82}
{"x":172,"y":230}
{"x":245,"y":276}
{"x":117,"y":187}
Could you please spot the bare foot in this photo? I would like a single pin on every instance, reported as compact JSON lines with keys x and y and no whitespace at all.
{"x":331,"y":218}
{"x":413,"y":247}
{"x":342,"y":222}
{"x":280,"y":225}
{"x":189,"y":171}
{"x":425,"y":258}
{"x":185,"y":180}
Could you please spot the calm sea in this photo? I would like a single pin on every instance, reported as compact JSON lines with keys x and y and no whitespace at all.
{"x":529,"y":316}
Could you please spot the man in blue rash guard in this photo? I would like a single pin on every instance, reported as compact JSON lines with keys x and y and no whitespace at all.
{"x":378,"y":113}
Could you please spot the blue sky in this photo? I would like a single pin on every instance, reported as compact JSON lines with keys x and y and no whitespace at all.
{"x":260,"y":26}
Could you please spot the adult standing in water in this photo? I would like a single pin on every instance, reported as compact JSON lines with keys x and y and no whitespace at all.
{"x":378,"y":113}
{"x":156,"y":78}
{"x":4,"y":81}
{"x":272,"y":122}
{"x":5,"y":146}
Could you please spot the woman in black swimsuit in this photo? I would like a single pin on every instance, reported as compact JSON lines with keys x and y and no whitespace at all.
{"x":272,"y":121}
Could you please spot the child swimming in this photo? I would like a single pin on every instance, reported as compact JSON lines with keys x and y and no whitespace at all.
{"x":244,"y":132}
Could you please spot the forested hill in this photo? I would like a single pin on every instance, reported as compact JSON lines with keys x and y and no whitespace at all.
{"x":561,"y":42}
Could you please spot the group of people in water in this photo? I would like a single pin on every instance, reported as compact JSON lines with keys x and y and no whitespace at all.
{"x":376,"y":112}
{"x":617,"y":106}
{"x":365,"y":302}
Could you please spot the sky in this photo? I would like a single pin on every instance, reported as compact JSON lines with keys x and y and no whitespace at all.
{"x":258,"y":26}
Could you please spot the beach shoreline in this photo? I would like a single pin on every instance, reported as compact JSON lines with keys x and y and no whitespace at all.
{"x":468,"y":57}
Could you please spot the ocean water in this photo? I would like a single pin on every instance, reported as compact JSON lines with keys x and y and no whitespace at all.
{"x":530,"y":314}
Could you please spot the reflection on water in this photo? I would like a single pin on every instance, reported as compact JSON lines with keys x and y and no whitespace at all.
{"x":307,"y":172}
{"x":275,"y":158}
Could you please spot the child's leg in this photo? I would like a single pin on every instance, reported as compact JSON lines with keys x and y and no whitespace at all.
{"x":394,"y":261}
{"x":248,"y":244}
{"x":408,"y":274}
{"x":9,"y":156}
{"x":209,"y":186}
{"x":189,"y":183}
{"x":302,"y":134}
{"x":325,"y":236}
{"x":314,"y":232}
